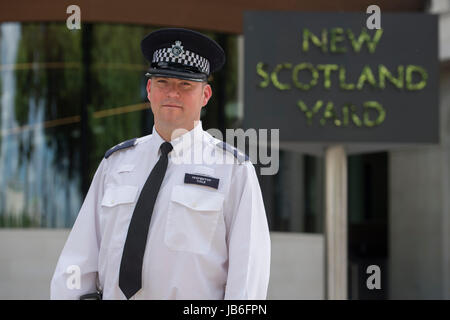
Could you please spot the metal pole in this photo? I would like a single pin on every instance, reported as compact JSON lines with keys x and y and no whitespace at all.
{"x":336,"y":222}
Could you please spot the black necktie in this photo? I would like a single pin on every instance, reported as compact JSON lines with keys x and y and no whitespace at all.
{"x":130,"y":276}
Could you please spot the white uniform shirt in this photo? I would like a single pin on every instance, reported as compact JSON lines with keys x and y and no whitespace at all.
{"x":203,"y":243}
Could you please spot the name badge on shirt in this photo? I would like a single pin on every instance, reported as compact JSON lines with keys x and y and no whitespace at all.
{"x":201,"y":180}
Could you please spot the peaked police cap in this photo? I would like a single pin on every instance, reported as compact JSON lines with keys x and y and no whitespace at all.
{"x":182,"y":53}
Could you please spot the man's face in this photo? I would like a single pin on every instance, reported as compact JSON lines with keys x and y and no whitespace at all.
{"x":177,"y":103}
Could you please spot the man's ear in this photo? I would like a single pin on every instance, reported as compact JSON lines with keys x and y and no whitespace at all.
{"x":207,"y":93}
{"x":149,"y":85}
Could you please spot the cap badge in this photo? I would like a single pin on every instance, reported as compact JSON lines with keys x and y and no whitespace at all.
{"x":177,"y":49}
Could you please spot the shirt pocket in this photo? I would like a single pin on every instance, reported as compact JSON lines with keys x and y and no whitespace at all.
{"x":192,"y":219}
{"x":116,"y":195}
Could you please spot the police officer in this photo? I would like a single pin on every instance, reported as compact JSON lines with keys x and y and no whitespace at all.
{"x":176,"y":214}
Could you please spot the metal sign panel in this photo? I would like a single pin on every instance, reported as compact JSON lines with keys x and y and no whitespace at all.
{"x":325,"y":77}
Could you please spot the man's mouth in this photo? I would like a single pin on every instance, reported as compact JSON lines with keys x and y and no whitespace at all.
{"x":171,"y":106}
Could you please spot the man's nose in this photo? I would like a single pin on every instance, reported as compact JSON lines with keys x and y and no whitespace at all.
{"x":172,"y":90}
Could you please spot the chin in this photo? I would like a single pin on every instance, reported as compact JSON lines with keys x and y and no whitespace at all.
{"x":171,"y":114}
{"x":171,"y":119}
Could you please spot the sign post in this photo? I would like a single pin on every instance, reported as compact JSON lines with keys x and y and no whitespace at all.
{"x":336,"y":222}
{"x":329,"y":83}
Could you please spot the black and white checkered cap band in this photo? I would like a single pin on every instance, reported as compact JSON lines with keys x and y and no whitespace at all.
{"x":187,"y":58}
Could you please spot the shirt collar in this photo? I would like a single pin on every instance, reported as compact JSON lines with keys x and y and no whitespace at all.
{"x":183,"y":142}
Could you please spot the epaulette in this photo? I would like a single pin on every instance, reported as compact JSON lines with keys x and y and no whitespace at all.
{"x":241,"y":157}
{"x":120,"y":146}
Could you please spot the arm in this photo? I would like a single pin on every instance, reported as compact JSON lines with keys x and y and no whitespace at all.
{"x":248,"y":238}
{"x":77,"y":264}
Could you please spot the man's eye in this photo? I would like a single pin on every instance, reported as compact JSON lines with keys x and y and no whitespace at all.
{"x":186,"y":84}
{"x":162,"y":81}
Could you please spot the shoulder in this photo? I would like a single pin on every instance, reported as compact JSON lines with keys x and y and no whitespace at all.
{"x":228,"y":149}
{"x":239,"y":155}
{"x":126,"y":145}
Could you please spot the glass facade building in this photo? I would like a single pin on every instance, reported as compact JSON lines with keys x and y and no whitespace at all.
{"x":67,"y":96}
